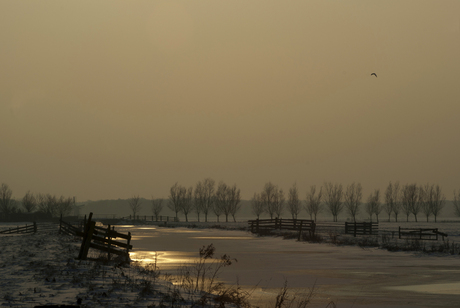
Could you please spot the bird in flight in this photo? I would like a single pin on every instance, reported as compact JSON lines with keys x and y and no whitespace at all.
{"x":374,"y":74}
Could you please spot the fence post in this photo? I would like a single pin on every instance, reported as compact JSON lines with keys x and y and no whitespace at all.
{"x":35,"y":227}
{"x":354,"y":232}
{"x":257,"y":226}
{"x":109,"y":240}
{"x":399,"y":232}
{"x":87,"y":241}
{"x":300,"y":230}
{"x":81,"y":255}
{"x":127,"y":247}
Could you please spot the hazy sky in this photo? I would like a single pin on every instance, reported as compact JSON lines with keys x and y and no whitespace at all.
{"x":110,"y":99}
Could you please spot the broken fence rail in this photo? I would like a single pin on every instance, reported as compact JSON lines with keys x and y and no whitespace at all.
{"x":96,"y":237}
{"x":429,"y":234}
{"x":101,"y":238}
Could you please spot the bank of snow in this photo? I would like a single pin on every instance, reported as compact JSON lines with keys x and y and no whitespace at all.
{"x":41,"y":269}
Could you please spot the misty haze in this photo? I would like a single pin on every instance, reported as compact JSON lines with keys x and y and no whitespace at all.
{"x":230,"y":153}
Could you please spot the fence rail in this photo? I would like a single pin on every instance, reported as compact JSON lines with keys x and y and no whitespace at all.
{"x":420,"y":233}
{"x":362,"y":228}
{"x":23,"y":229}
{"x":69,"y":229}
{"x":301,"y":225}
{"x":152,"y":218}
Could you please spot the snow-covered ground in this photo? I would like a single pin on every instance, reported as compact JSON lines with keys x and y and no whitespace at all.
{"x":40,"y":268}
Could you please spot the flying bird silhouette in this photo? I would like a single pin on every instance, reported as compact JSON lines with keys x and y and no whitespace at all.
{"x":374,"y":74}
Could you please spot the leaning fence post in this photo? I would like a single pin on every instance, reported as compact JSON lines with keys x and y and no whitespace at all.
{"x":127,"y":247}
{"x":87,"y":241}
{"x":88,"y":224}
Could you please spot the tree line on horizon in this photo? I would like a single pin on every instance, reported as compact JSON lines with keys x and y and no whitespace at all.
{"x":48,"y":204}
{"x":396,"y":200}
{"x":206,"y":199}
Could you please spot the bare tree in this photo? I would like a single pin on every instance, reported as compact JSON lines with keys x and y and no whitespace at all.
{"x":208,"y":188}
{"x":234,"y":198}
{"x":222,"y":199}
{"x":377,"y":205}
{"x":313,"y":202}
{"x":424,"y":200}
{"x":278,"y":203}
{"x":370,"y":206}
{"x":187,"y":201}
{"x":135,"y":205}
{"x":29,"y":202}
{"x":294,"y":202}
{"x":41,"y":202}
{"x":373,"y":205}
{"x":268,"y":198}
{"x":6,"y":204}
{"x":353,"y":196}
{"x":199,"y":198}
{"x":175,"y":198}
{"x":457,"y":203}
{"x":333,"y":198}
{"x":157,"y":207}
{"x":64,"y":206}
{"x":409,"y":200}
{"x":48,"y":204}
{"x":257,"y":207}
{"x":437,"y":200}
{"x":391,"y":200}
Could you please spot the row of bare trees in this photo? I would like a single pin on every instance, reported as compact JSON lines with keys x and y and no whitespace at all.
{"x":44,"y":203}
{"x":409,"y":199}
{"x":205,"y":199}
{"x":413,"y":199}
{"x":272,"y":201}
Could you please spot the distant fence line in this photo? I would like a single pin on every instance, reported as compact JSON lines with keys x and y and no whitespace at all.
{"x":300,"y":225}
{"x":32,"y":228}
{"x":420,"y":234}
{"x":361,"y":228}
{"x":152,"y":218}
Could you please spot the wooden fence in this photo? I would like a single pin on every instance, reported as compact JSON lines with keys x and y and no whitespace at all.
{"x":24,"y":229}
{"x":300,"y":225}
{"x":362,"y":228}
{"x":152,"y":218}
{"x":104,"y":239}
{"x":420,"y":234}
{"x":70,"y":229}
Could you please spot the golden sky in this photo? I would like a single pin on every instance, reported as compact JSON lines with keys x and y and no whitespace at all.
{"x":110,"y":99}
